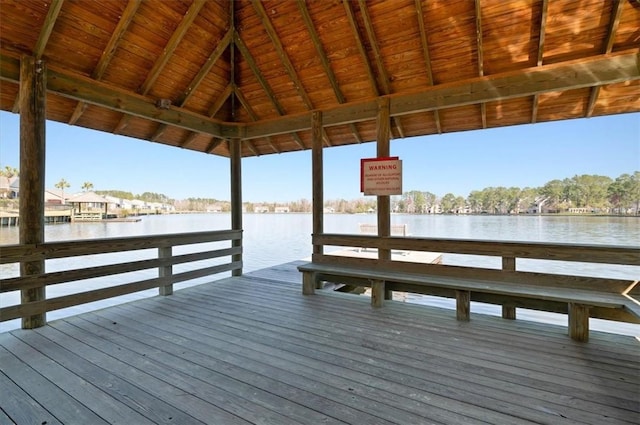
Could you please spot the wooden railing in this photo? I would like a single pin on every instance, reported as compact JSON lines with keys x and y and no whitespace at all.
{"x":164,"y":262}
{"x":509,"y":252}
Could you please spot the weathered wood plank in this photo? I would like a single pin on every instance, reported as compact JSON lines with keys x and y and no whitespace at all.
{"x":36,"y":387}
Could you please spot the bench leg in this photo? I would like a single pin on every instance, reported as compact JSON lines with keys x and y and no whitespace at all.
{"x":579,"y":322}
{"x":308,"y":283}
{"x":377,"y":293}
{"x":508,"y":312}
{"x":463,"y":305}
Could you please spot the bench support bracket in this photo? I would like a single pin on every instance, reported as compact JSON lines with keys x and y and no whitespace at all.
{"x":463,"y":305}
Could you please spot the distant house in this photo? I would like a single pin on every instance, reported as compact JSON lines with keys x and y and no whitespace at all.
{"x":88,"y":206}
{"x":329,"y":210}
{"x":261,"y":209}
{"x":9,"y":187}
{"x":282,"y":209}
{"x":54,"y":197}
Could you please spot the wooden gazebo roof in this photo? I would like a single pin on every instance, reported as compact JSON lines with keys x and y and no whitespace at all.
{"x":196,"y":74}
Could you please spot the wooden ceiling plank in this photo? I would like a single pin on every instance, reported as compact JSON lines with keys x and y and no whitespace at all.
{"x":246,"y":54}
{"x":206,"y":68}
{"x":382,"y":72}
{"x":616,"y":12}
{"x":479,"y":48}
{"x":427,"y":57}
{"x":47,"y":27}
{"x":544,"y":7}
{"x":284,"y":58}
{"x":109,"y":51}
{"x":592,"y":71}
{"x":252,"y":113}
{"x":172,"y":44}
{"x":360,"y":45}
{"x":324,"y":60}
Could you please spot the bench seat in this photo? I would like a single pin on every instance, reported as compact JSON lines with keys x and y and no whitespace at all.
{"x":578,"y":300}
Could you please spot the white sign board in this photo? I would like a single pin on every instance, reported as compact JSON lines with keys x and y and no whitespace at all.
{"x":381,"y":176}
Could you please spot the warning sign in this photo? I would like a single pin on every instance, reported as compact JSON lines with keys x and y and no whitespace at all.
{"x":381,"y":176}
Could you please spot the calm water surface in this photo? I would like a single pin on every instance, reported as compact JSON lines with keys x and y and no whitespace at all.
{"x":271,"y":239}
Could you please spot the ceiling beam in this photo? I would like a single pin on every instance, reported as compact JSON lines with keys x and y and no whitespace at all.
{"x":245,"y":104}
{"x":616,"y":12}
{"x":593,"y":71}
{"x":78,"y":87}
{"x":47,"y":27}
{"x":543,"y":30}
{"x":427,"y":57}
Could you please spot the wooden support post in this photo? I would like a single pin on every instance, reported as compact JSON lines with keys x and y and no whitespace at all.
{"x":509,"y":311}
{"x":383,"y":123}
{"x":579,"y":322}
{"x":236,"y":198}
{"x":165,"y":271}
{"x":32,"y":175}
{"x":308,"y":283}
{"x":377,"y":293}
{"x":463,"y":305}
{"x":317,"y":177}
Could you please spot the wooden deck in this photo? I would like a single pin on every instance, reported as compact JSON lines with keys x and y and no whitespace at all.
{"x":252,"y":349}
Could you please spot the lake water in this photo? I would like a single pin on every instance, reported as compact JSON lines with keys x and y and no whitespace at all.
{"x":271,"y":239}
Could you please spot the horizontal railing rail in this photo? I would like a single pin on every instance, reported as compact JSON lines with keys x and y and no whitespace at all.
{"x":609,"y":254}
{"x":164,"y":262}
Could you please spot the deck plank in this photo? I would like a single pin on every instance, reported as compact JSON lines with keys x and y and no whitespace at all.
{"x":252,"y":349}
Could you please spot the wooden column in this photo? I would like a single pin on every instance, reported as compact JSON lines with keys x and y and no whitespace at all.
{"x":236,"y":197}
{"x":579,"y":322}
{"x":384,"y":203}
{"x":32,"y":174}
{"x":317,"y":177}
{"x":509,"y":311}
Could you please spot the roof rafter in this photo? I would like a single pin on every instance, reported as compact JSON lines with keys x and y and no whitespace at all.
{"x":108,"y":52}
{"x":193,"y":85}
{"x":253,"y":115}
{"x":543,"y":29}
{"x":244,"y":51}
{"x":324,"y":60}
{"x":382,"y":72}
{"x":284,"y":58}
{"x":43,"y":38}
{"x":166,"y":54}
{"x":608,"y":46}
{"x":483,"y":106}
{"x":47,"y":27}
{"x":427,"y":57}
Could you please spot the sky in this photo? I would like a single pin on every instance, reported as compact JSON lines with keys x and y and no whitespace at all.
{"x":458,"y":163}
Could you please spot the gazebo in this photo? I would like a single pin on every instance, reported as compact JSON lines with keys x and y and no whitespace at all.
{"x":250,"y":78}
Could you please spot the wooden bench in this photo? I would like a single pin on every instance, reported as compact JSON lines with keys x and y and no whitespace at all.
{"x":578,"y":298}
